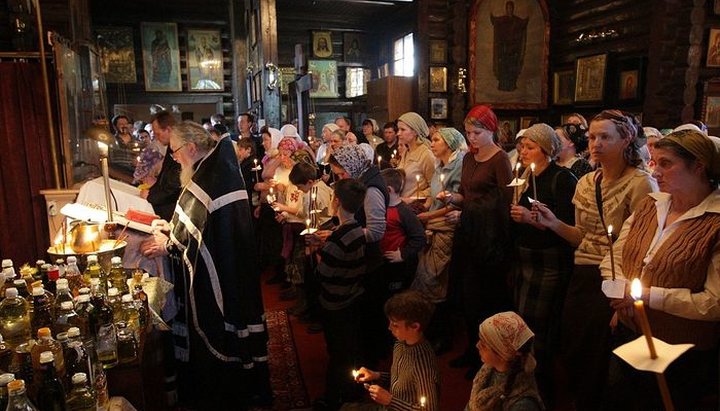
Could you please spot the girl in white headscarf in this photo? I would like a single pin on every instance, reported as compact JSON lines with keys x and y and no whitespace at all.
{"x":418,"y":161}
{"x":506,"y":380}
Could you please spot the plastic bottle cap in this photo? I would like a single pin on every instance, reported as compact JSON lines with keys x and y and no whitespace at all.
{"x":112,"y":292}
{"x":16,"y":385}
{"x":10,"y":271}
{"x":73,"y":332}
{"x":72,"y":260}
{"x":20,"y":282}
{"x":44,"y":332}
{"x":11,"y":292}
{"x":59,"y":261}
{"x":127,"y":298}
{"x":46,"y":357}
{"x":84,"y":290}
{"x":92,"y":258}
{"x":83,"y":298}
{"x":62,"y":288}
{"x":6,"y":378}
{"x":94,"y":281}
{"x":7,"y":263}
{"x":79,"y":378}
{"x":46,"y":267}
{"x":60,"y":282}
{"x":40,"y":262}
{"x":62,"y":336}
{"x":38,"y":291}
{"x":66,"y":305}
{"x":116,"y":260}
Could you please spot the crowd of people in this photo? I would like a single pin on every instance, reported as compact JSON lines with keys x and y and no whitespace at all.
{"x":415,"y":222}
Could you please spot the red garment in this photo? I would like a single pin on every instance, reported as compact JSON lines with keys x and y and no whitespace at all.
{"x":394,"y":237}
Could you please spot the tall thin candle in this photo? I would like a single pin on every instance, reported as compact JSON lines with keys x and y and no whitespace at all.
{"x":417,"y":186}
{"x":636,"y":293}
{"x":532,"y":168}
{"x":612,"y":255}
{"x":516,"y":189}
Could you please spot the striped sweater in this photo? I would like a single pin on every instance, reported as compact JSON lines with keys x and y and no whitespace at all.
{"x":414,"y":374}
{"x":342,"y":266}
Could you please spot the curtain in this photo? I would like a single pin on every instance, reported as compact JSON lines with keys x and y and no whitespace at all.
{"x":25,"y":163}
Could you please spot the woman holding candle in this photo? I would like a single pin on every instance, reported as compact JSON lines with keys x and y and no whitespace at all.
{"x":617,"y":188}
{"x":481,"y":248}
{"x":418,"y":159}
{"x":674,"y":236}
{"x":449,"y":147}
{"x":545,"y":259}
{"x":506,"y":380}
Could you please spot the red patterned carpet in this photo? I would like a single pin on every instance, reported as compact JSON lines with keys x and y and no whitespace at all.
{"x":285,"y":374}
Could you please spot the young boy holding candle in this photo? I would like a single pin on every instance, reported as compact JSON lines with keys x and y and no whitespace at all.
{"x":340,"y":270}
{"x":415,"y":379}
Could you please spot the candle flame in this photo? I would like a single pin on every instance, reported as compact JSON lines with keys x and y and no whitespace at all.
{"x":532,"y":167}
{"x":271,"y":190}
{"x":417,"y":178}
{"x":442,"y":177}
{"x":423,"y":400}
{"x":255,"y":160}
{"x":103,"y":148}
{"x":636,"y":289}
{"x":517,"y":166}
{"x":610,"y":229}
{"x":379,"y":159}
{"x":307,"y":222}
{"x":355,"y":374}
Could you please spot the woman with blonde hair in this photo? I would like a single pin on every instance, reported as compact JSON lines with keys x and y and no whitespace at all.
{"x":417,"y":161}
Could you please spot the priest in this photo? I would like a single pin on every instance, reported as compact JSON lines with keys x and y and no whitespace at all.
{"x":220,"y":334}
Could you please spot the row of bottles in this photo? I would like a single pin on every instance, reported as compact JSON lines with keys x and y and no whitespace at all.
{"x":52,"y":394}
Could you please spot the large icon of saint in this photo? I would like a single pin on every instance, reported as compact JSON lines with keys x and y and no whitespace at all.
{"x":509,"y":39}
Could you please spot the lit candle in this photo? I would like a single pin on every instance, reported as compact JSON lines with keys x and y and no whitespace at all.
{"x":532,"y":168}
{"x":103,"y":148}
{"x":255,"y":160}
{"x":636,"y":293}
{"x":271,"y":190}
{"x":394,"y":153}
{"x":612,"y":255}
{"x":355,"y":374}
{"x":417,"y":185}
{"x":516,"y":189}
{"x":442,"y":182}
{"x":423,"y":400}
{"x":257,"y":177}
{"x":307,"y":225}
{"x":379,"y":159}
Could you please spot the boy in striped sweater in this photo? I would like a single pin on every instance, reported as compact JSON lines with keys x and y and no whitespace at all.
{"x":414,"y":379}
{"x":340,"y":270}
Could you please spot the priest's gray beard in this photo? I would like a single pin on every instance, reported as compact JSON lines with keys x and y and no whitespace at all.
{"x":186,"y":173}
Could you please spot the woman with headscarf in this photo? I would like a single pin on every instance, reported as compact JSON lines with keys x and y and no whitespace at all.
{"x":349,"y":161}
{"x":303,"y":152}
{"x":670,"y":243}
{"x":481,"y":248}
{"x":574,"y":141}
{"x":544,"y":259}
{"x":448,"y":146}
{"x":602,"y":198}
{"x":371,"y":130}
{"x":506,"y":380}
{"x":269,"y":232}
{"x":327,"y":132}
{"x":417,"y":161}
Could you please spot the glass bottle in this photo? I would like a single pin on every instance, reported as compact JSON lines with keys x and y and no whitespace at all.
{"x":115,"y":302}
{"x":66,"y":318}
{"x":81,"y":397}
{"x":84,"y":310}
{"x":14,"y":319}
{"x":8,"y":278}
{"x":142,"y":304}
{"x":127,"y":343}
{"x":21,"y":285}
{"x":117,"y":276}
{"x":17,"y":398}
{"x":93,"y":270}
{"x":130,"y":315}
{"x":47,"y":343}
{"x":101,"y":320}
{"x":42,"y":310}
{"x":51,"y":394}
{"x":63,"y":294}
{"x":73,"y":276}
{"x":5,"y":356}
{"x":77,"y":357}
{"x":4,"y":381}
{"x":43,"y":273}
{"x":60,"y":263}
{"x":101,"y":389}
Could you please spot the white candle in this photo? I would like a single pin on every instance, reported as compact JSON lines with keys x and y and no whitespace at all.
{"x":532,"y":168}
{"x":417,"y":185}
{"x":612,"y":255}
{"x":307,"y":224}
{"x":516,"y":189}
{"x":442,"y":182}
{"x":255,"y":160}
{"x":636,"y":293}
{"x":379,"y":159}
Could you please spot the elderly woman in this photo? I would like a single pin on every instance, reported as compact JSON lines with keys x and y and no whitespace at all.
{"x":544,"y":260}
{"x":506,"y":380}
{"x":371,"y":130}
{"x":653,"y":135}
{"x":674,"y":236}
{"x":448,"y":146}
{"x":481,"y":248}
{"x":602,"y":198}
{"x":417,"y":160}
{"x":327,"y":132}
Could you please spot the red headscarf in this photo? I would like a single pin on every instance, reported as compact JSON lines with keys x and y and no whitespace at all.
{"x":483,"y":115}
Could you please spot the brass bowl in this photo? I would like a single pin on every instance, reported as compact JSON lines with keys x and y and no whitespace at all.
{"x":105,"y":253}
